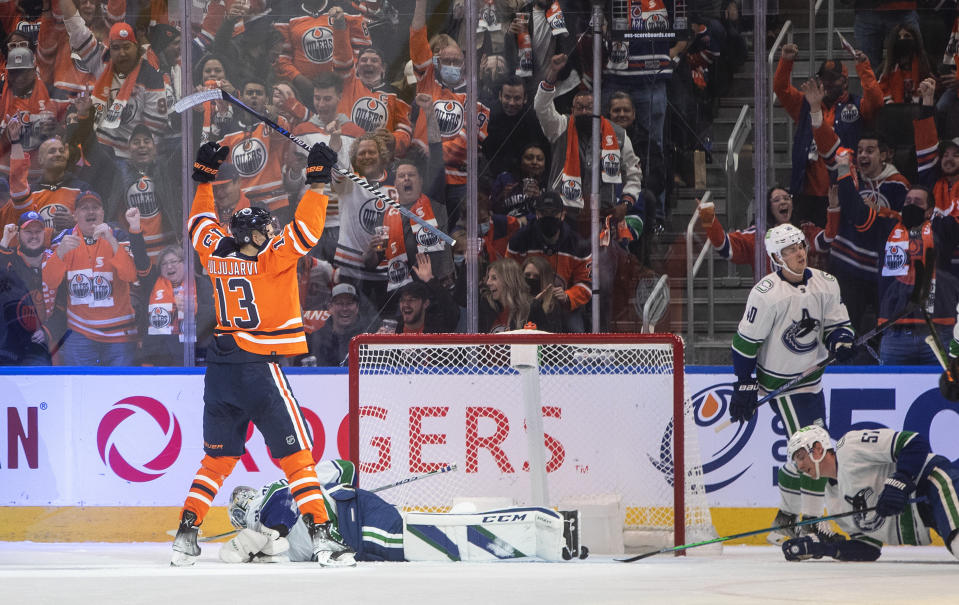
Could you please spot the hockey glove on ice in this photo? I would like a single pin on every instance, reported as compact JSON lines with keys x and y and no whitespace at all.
{"x":842,"y":346}
{"x":892,"y":500}
{"x":208,"y":159}
{"x":742,"y":405}
{"x":808,"y":547}
{"x":319,"y":166}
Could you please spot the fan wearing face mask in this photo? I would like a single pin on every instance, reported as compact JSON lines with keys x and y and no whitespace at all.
{"x":549,"y":236}
{"x":900,"y":239}
{"x":905,"y":66}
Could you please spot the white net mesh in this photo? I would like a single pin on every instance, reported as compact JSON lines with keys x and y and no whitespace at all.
{"x":607,"y":408}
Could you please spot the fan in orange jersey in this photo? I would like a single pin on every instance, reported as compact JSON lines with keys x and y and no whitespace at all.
{"x":371,"y":102}
{"x":258,"y":321}
{"x":54,"y":195}
{"x":317,"y":43}
{"x":26,"y":100}
{"x":66,"y":76}
{"x":256,"y":151}
{"x":441,"y":76}
{"x":96,"y":264}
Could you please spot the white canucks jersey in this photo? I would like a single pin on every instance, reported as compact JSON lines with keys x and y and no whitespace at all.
{"x":785,"y":328}
{"x":865,"y":459}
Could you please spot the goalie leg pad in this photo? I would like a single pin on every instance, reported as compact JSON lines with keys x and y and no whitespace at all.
{"x":490,"y":536}
{"x":243,"y":547}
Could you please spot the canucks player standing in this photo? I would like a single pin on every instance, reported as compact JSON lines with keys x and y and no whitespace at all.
{"x":877,"y":468}
{"x":794,"y":318}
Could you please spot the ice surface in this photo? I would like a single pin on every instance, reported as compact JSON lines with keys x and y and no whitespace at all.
{"x":108,"y":574}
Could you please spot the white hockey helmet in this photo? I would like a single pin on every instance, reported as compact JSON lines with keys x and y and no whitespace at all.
{"x":805,"y":438}
{"x":781,"y":237}
{"x":240,"y":501}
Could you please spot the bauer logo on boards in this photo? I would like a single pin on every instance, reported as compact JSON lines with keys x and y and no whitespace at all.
{"x":135,"y":454}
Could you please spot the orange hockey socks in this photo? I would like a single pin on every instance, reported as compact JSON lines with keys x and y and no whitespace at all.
{"x":304,"y":486}
{"x":213,"y":471}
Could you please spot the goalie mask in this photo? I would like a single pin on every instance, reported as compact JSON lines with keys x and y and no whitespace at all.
{"x":248,"y":220}
{"x":804,"y":439}
{"x":778,"y":239}
{"x":240,"y":501}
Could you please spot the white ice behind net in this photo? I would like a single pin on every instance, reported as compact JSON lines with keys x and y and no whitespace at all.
{"x":607,"y":419}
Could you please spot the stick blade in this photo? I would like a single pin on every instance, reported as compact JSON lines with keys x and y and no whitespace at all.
{"x":644,"y":555}
{"x":197,"y":98}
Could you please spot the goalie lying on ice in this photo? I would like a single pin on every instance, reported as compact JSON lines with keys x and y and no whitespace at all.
{"x":271,"y":529}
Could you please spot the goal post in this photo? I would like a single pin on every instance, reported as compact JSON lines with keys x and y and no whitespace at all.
{"x":614,"y":425}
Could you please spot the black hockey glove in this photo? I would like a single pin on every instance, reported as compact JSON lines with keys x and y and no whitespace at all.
{"x":319,"y":166}
{"x":742,"y":405}
{"x":842,"y":346}
{"x":892,"y":500}
{"x":950,"y":388}
{"x":808,"y":547}
{"x":208,"y":159}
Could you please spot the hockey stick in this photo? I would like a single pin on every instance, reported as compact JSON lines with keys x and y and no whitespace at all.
{"x":445,"y":469}
{"x":919,"y":293}
{"x":934,"y":346}
{"x":449,"y":468}
{"x":755,"y":532}
{"x":216,"y":94}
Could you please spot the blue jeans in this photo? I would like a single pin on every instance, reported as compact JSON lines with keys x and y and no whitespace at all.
{"x":907,"y":346}
{"x":649,"y":100}
{"x":872,"y":26}
{"x":78,"y":350}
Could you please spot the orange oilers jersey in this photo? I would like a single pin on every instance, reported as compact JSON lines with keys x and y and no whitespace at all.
{"x":47,"y":201}
{"x":98,"y":289}
{"x":314,"y":46}
{"x":257,"y":301}
{"x":449,"y":108}
{"x":371,"y":110}
{"x":258,"y":158}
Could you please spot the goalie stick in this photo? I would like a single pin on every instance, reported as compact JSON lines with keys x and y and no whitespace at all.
{"x":755,"y":532}
{"x":448,"y":468}
{"x":919,"y":293}
{"x":198,"y":98}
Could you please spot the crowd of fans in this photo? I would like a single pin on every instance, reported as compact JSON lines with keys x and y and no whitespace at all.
{"x":92,"y":258}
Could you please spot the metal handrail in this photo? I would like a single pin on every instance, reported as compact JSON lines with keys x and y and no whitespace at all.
{"x":649,"y":327}
{"x":737,"y":138}
{"x":772,"y":97}
{"x":692,"y":268}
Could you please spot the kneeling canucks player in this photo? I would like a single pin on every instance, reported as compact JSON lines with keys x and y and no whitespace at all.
{"x":893,"y":477}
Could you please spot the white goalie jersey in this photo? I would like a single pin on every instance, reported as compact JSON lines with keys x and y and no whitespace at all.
{"x":785,"y":327}
{"x":865,"y":458}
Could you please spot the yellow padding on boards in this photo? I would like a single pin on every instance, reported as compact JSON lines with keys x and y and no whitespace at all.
{"x":99,"y":523}
{"x":150,"y":523}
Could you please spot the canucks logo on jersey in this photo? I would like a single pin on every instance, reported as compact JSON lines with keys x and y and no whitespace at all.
{"x":802,"y":336}
{"x":860,"y":502}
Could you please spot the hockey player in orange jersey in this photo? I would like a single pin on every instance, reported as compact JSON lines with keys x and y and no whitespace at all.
{"x":258,"y":321}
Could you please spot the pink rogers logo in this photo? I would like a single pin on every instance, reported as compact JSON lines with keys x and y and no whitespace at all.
{"x":113,"y":420}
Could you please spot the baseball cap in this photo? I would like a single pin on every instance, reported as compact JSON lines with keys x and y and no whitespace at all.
{"x":548,"y":201}
{"x":123,"y":32}
{"x":416,"y":289}
{"x":87,"y":196}
{"x":343,"y":289}
{"x":20,"y":58}
{"x":226,"y":173}
{"x":28,"y":217}
{"x":833,"y":68}
{"x":943,"y":145}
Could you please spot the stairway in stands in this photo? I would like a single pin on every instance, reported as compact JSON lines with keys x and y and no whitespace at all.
{"x":732,"y":283}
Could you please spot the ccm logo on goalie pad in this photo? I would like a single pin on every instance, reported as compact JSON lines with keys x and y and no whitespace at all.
{"x":504,"y":518}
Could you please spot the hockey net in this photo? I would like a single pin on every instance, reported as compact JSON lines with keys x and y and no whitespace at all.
{"x":616,"y":425}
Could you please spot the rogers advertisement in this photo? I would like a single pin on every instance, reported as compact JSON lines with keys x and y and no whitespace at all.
{"x":136,"y":439}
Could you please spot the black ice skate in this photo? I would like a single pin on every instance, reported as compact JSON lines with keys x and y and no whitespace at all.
{"x":822,"y":530}
{"x":783,"y":533}
{"x":328,"y":551}
{"x":572,"y":548}
{"x":185,"y":549}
